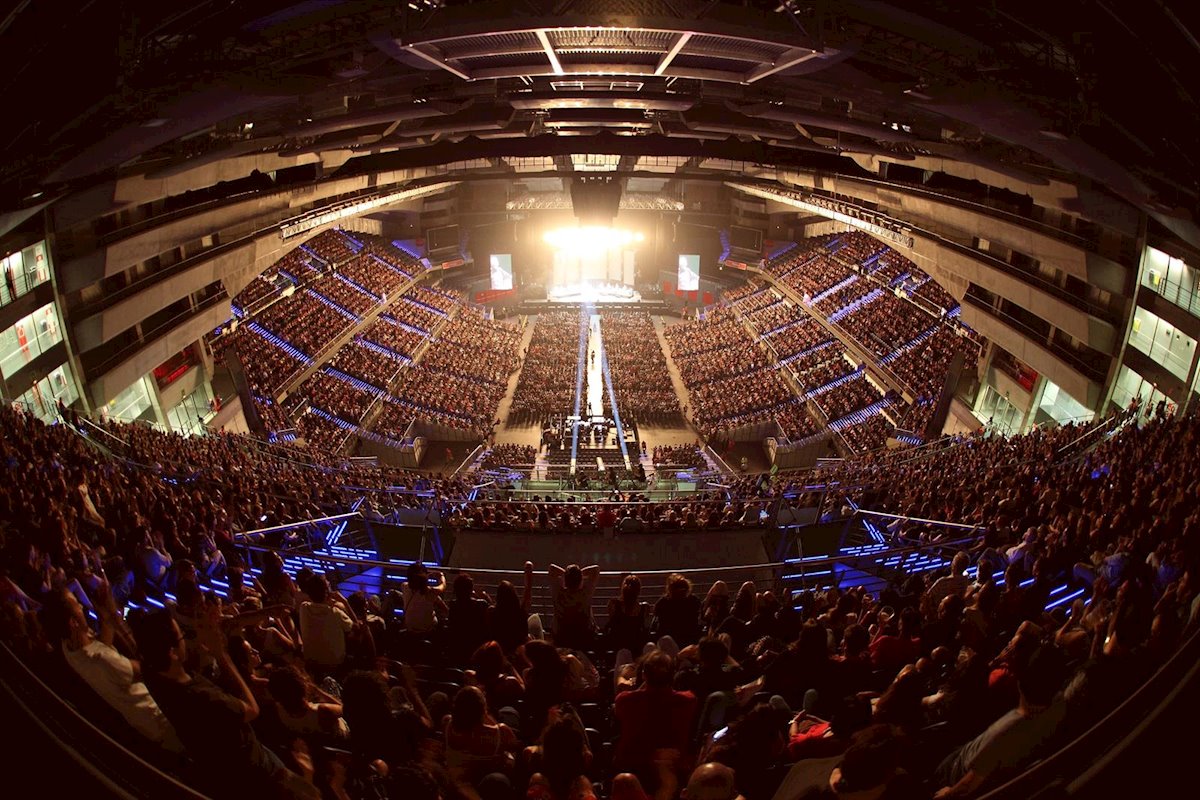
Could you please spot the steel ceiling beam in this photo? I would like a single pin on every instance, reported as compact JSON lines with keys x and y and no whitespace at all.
{"x":549,"y":49}
{"x":438,"y":62}
{"x":680,"y":41}
{"x":797,"y":55}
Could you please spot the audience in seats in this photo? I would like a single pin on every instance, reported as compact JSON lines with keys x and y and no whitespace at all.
{"x":1079,"y":590}
{"x":688,"y":456}
{"x":638,"y":368}
{"x":549,"y":369}
{"x":509,"y":455}
{"x":388,"y":333}
{"x":330,"y":246}
{"x":370,"y":365}
{"x":845,"y":398}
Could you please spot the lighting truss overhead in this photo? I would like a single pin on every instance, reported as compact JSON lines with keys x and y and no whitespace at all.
{"x":560,"y":201}
{"x":875,"y":224}
{"x":595,"y":162}
{"x":352,"y":208}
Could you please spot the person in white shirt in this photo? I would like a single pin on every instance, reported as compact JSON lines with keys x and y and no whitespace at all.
{"x":423,"y":604}
{"x":112,"y":676}
{"x":323,"y":628}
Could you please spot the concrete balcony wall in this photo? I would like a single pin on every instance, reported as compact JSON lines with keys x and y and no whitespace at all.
{"x":103,"y":388}
{"x":968,"y":224}
{"x":960,"y":268}
{"x":156,"y":184}
{"x":229,"y":221}
{"x":101,"y":327}
{"x":1049,"y":193}
{"x":1016,"y":394}
{"x":1033,"y":353}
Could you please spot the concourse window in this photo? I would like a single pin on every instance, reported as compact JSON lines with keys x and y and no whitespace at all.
{"x":43,"y":397}
{"x":28,"y":338}
{"x":132,"y":404}
{"x":997,"y":413}
{"x":1173,"y":279}
{"x":188,"y":417}
{"x":1062,"y":407}
{"x":1130,"y":385}
{"x":1162,"y":342}
{"x":23,"y":270}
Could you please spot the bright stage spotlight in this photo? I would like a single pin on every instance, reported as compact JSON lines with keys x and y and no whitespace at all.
{"x":590,"y":239}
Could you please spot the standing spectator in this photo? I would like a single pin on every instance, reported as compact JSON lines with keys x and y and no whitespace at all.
{"x":510,"y":616}
{"x":628,"y":618}
{"x":467,"y":616}
{"x":677,"y":613}
{"x":423,"y":604}
{"x":324,"y":626}
{"x":572,"y":589}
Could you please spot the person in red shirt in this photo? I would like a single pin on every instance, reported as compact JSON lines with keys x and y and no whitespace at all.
{"x":654,"y":717}
{"x":606,"y":520}
{"x":891,"y":651}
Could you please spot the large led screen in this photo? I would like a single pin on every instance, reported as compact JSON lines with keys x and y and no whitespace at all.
{"x":689,"y":273}
{"x":501,"y":264}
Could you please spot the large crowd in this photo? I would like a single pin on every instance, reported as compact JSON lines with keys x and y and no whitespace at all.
{"x":337,"y":397}
{"x":370,"y":365}
{"x":549,"y":369}
{"x":388,"y":332}
{"x":474,"y":347}
{"x":944,"y":684}
{"x":845,"y":398}
{"x":640,"y":378}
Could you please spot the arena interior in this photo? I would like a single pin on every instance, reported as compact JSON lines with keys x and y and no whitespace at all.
{"x":599,"y":399}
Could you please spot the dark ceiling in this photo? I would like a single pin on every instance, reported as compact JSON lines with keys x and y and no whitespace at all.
{"x":1103,"y":91}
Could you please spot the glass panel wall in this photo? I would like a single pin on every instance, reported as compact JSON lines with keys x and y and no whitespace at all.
{"x":1130,"y":386}
{"x":1062,"y":407}
{"x":1162,"y":342}
{"x":132,"y":404}
{"x":43,"y":397}
{"x":1173,"y":279}
{"x":23,"y":270}
{"x":28,"y":338}
{"x":189,"y":416}
{"x":997,"y":413}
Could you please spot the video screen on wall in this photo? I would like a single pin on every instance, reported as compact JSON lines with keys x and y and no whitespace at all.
{"x":501,"y":266}
{"x":689,"y":272}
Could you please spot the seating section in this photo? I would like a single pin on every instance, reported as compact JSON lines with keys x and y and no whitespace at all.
{"x":475,"y":348}
{"x":509,"y":455}
{"x":391,"y":334}
{"x":956,"y":641}
{"x":550,"y":368}
{"x":638,"y":368}
{"x":377,"y":367}
{"x":681,"y":456}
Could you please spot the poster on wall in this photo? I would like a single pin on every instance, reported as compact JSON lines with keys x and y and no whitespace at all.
{"x":501,"y":268}
{"x":689,"y":272}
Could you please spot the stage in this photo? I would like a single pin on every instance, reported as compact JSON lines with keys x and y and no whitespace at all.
{"x":596,"y":292}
